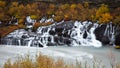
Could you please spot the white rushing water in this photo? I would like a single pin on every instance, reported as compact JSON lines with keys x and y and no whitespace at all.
{"x":42,"y":36}
{"x":77,"y":34}
{"x":110,"y":33}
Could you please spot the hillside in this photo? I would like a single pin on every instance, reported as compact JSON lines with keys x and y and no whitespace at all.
{"x":16,"y":11}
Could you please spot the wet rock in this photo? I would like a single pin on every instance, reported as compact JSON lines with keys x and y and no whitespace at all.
{"x":67,"y":41}
{"x":99,"y":32}
{"x":51,"y":32}
{"x":49,"y":39}
{"x":59,"y":29}
{"x":66,"y":34}
{"x":117,"y":40}
{"x":85,"y":35}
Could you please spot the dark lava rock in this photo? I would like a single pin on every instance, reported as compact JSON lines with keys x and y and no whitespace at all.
{"x":51,"y":32}
{"x":62,"y":40}
{"x":66,"y":34}
{"x":99,"y":32}
{"x":59,"y":29}
{"x":117,"y":40}
{"x":65,"y":25}
{"x":49,"y":39}
{"x":67,"y":41}
{"x":85,"y":35}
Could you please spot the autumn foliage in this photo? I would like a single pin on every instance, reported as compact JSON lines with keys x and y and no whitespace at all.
{"x":37,"y":10}
{"x":40,"y":61}
{"x":62,"y":11}
{"x":103,"y":14}
{"x":44,"y":61}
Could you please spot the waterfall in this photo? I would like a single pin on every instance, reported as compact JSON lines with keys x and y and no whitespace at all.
{"x":77,"y":34}
{"x":8,"y":42}
{"x":19,"y":42}
{"x":29,"y":43}
{"x":52,"y":39}
{"x":70,"y":33}
{"x":93,"y":40}
{"x":110,"y":33}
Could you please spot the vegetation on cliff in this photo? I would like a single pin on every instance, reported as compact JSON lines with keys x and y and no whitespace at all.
{"x":19,"y":10}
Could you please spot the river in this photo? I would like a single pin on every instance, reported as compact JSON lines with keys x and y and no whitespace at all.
{"x":69,"y":54}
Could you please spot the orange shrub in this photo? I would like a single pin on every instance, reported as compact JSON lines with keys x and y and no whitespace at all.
{"x":73,"y":6}
{"x":2,"y":4}
{"x":86,"y":4}
{"x":103,"y":14}
{"x":116,"y":16}
{"x":80,"y":6}
{"x":37,"y":24}
{"x":58,"y":18}
{"x":105,"y":18}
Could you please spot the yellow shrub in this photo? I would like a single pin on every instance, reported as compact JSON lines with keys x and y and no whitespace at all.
{"x":13,"y":9}
{"x":67,"y":17}
{"x":51,"y":6}
{"x":64,"y":7}
{"x":33,"y":16}
{"x":80,"y":6}
{"x":21,"y":21}
{"x":86,"y":4}
{"x":50,"y":12}
{"x":14,"y":4}
{"x":101,"y":10}
{"x":58,"y":18}
{"x":73,"y":6}
{"x":103,"y":14}
{"x":117,"y":20}
{"x":2,"y":4}
{"x":105,"y":18}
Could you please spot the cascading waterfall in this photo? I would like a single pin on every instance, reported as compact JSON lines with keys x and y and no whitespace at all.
{"x":110,"y":33}
{"x":19,"y":41}
{"x":77,"y":34}
{"x":42,"y":37}
{"x":62,"y":33}
{"x":30,"y":40}
{"x":93,"y":41}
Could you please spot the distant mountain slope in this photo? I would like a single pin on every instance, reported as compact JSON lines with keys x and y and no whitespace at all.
{"x":111,"y":3}
{"x":94,"y":1}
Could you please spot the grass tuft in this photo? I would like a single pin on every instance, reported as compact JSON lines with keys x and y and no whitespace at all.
{"x":43,"y":61}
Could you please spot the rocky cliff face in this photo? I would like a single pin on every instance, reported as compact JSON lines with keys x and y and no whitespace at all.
{"x":108,"y":34}
{"x":71,"y":33}
{"x":66,"y":33}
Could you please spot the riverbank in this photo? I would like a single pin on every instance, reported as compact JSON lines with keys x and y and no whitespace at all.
{"x":69,"y":54}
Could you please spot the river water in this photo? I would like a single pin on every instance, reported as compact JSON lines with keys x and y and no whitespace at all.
{"x":69,"y":54}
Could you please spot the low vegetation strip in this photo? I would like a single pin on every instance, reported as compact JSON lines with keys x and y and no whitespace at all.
{"x":43,"y":61}
{"x":6,"y":30}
